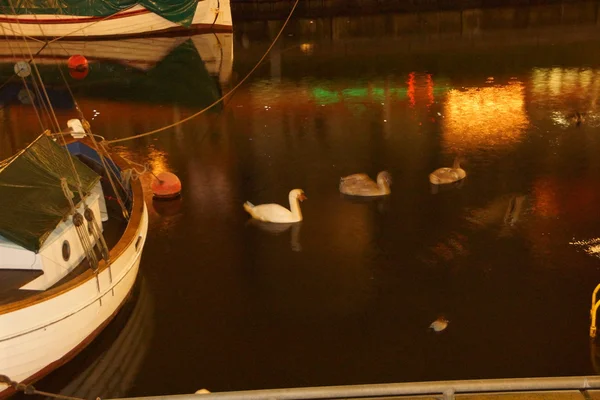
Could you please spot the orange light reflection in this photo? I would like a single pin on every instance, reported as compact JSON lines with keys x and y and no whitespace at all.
{"x":489,"y":116}
{"x":546,"y":202}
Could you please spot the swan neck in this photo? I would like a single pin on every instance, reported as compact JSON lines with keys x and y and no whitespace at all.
{"x":295,"y":207}
{"x":383,"y":185}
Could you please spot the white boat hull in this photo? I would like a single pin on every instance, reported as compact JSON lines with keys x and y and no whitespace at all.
{"x":37,"y":339}
{"x":210,"y":14}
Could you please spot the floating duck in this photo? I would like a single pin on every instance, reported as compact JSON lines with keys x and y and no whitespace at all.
{"x":439,"y":324}
{"x":363,"y":185}
{"x":276,"y":213}
{"x":577,"y":118}
{"x":443,"y":176}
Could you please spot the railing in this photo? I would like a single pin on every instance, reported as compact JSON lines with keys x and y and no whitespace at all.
{"x":595,"y":304}
{"x":446,"y":388}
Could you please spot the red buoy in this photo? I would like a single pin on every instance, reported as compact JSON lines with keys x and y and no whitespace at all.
{"x":78,"y":62}
{"x":166,"y":186}
{"x":78,"y":74}
{"x":78,"y":66}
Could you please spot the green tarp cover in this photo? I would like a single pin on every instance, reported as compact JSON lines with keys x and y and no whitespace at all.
{"x":177,"y":11}
{"x":32,"y":203}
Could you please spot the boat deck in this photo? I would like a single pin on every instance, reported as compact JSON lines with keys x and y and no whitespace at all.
{"x":10,"y":282}
{"x":12,"y":279}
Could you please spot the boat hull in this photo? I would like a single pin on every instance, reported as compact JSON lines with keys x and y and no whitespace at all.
{"x":38,"y":338}
{"x":210,"y":15}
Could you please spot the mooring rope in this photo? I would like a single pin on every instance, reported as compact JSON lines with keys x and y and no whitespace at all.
{"x":30,"y":389}
{"x":219,"y":100}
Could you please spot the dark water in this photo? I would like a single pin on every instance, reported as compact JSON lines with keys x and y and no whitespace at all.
{"x":346,"y":296}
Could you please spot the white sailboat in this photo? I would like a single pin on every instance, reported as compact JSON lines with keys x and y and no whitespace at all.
{"x":54,"y":296}
{"x":72,"y":230}
{"x":25,"y":20}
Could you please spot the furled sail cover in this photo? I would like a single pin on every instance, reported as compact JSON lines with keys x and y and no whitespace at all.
{"x":177,"y":11}
{"x":32,"y":203}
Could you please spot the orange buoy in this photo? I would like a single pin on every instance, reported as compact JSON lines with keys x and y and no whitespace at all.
{"x":78,"y":66}
{"x":166,"y":186}
{"x":78,"y":62}
{"x":78,"y":74}
{"x":168,"y":208}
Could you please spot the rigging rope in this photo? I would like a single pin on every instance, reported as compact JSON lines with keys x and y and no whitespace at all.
{"x":53,"y":114}
{"x":99,"y":147}
{"x":29,"y":93}
{"x":222,"y":97}
{"x":77,"y":218}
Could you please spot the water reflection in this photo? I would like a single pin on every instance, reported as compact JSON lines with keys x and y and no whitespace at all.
{"x":480,"y":117}
{"x":435,"y":189}
{"x":128,"y":80}
{"x":567,"y":92}
{"x":545,"y":195}
{"x":278,"y":229}
{"x":372,"y":275}
{"x":383,"y":203}
{"x":503,"y":212}
{"x":108,"y":367}
{"x":167,"y":210}
{"x":595,"y":356}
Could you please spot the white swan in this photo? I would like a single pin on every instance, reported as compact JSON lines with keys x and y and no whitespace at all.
{"x":363,"y":185}
{"x":448,"y":175}
{"x":276,"y":213}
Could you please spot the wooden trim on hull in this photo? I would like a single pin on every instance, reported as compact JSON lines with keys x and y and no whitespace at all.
{"x":128,"y":238}
{"x":173,"y":31}
{"x":6,"y":393}
{"x":67,"y":21}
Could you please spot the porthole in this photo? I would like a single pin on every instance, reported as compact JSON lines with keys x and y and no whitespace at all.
{"x":66,"y":250}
